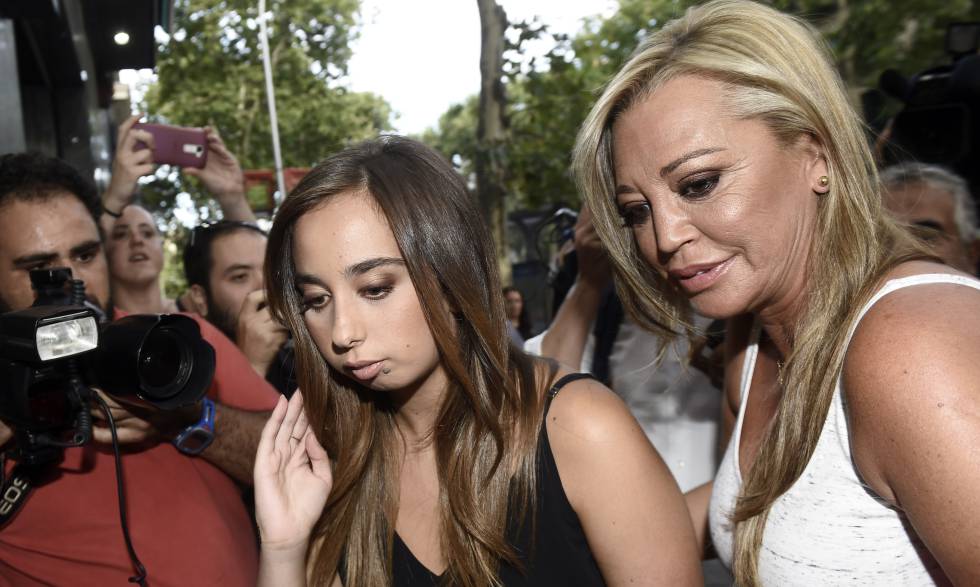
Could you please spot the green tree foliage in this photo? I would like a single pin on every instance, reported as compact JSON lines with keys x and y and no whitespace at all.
{"x":870,"y":36}
{"x":550,"y":97}
{"x":455,"y":135}
{"x":209,"y":72}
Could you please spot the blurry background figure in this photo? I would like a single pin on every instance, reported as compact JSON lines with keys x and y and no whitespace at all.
{"x":518,"y":321}
{"x":677,"y":405}
{"x":134,"y":245}
{"x":936,"y":203}
{"x":223,"y":264}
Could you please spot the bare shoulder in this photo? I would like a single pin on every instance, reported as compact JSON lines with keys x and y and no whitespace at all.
{"x":589,"y":428}
{"x":589,"y":411}
{"x":622,"y":492}
{"x":911,"y":364}
{"x":913,"y":327}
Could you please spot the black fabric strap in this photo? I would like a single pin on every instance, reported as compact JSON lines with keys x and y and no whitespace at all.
{"x":16,"y":488}
{"x":566,"y":380}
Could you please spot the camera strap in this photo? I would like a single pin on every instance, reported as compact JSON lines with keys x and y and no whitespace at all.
{"x":16,"y":488}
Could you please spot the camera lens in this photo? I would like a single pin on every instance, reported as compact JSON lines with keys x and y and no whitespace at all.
{"x":164,"y":363}
{"x":160,"y":359}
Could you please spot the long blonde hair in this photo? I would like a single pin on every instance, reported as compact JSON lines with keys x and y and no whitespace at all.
{"x":775,"y":69}
{"x":485,"y":435}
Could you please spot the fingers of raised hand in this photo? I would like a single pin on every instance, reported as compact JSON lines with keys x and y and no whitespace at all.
{"x":267,"y":439}
{"x":252,"y":301}
{"x":294,"y":410}
{"x":125,"y":126}
{"x":298,"y":434}
{"x":140,"y":157}
{"x":215,"y":142}
{"x":145,"y":137}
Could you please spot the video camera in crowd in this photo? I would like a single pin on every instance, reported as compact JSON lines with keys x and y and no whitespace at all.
{"x":52,"y":353}
{"x":940,"y":122}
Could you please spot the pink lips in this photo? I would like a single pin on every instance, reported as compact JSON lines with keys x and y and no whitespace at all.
{"x":364,"y":370}
{"x":697,"y":278}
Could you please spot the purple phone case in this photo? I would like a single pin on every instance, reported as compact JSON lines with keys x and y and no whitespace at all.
{"x":176,"y":145}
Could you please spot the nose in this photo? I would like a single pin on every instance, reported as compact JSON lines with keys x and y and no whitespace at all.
{"x":672,"y":227}
{"x":347,"y":330}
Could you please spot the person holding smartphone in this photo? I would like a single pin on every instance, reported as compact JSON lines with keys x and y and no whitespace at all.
{"x":134,"y":244}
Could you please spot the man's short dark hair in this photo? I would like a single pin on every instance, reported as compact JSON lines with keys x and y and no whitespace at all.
{"x":34,"y":176}
{"x":198,"y":253}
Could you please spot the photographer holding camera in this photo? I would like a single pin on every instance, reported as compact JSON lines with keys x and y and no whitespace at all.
{"x":184,"y":510}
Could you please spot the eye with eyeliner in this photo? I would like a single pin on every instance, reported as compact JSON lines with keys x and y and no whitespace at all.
{"x":315,"y":302}
{"x":634,"y":213}
{"x":699,"y":186}
{"x":378,"y":291}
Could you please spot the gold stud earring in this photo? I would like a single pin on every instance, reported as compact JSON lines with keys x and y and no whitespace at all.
{"x":824,"y":181}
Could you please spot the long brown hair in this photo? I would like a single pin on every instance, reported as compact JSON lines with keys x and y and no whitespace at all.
{"x":775,"y":69}
{"x":486,"y":430}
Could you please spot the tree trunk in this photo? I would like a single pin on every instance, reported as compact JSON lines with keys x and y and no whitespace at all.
{"x":492,"y":129}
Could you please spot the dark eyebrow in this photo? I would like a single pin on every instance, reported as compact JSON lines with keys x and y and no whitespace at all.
{"x":309,"y":279}
{"x":238,"y":267}
{"x":35,"y":259}
{"x":625,"y":189}
{"x":86,"y":247}
{"x":139,"y":225}
{"x":685,"y":158}
{"x":40,"y":258}
{"x":354,"y":270}
{"x":371,"y":264}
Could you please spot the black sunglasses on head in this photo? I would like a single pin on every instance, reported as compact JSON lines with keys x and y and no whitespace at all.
{"x":199,"y":232}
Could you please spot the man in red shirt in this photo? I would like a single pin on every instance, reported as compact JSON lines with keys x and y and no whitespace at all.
{"x":188,"y":523}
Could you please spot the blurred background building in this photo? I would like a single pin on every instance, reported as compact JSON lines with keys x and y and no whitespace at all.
{"x":59,"y":61}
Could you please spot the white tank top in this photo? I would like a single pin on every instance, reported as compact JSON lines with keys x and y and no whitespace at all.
{"x":829,"y":528}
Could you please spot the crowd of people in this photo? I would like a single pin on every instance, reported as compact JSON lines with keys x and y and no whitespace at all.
{"x":766,"y":355}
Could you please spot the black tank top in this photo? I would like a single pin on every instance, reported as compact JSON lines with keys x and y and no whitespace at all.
{"x":560,"y":555}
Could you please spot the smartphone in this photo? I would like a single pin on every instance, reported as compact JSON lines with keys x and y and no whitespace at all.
{"x":176,"y":145}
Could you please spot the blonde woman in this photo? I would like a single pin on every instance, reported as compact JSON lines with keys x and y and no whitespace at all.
{"x":729,"y":174}
{"x":457,"y":459}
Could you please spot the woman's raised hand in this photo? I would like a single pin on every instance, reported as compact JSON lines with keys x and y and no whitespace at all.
{"x":292,"y":478}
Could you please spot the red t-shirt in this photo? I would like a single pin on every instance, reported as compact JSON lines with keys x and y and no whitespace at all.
{"x":187,"y":520}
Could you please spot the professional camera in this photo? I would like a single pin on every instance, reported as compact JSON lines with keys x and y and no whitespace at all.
{"x":54,"y":351}
{"x":940,"y":122}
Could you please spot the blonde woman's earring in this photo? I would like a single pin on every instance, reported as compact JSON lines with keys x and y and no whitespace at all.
{"x":822,"y":182}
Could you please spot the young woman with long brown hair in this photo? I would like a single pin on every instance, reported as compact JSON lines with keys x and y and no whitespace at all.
{"x":441,"y":469}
